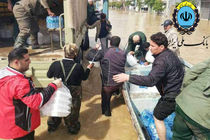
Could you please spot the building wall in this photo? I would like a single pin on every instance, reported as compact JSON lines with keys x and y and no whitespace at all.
{"x":205,"y":9}
{"x":170,"y":5}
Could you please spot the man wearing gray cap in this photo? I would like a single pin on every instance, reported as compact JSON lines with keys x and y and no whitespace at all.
{"x":171,"y":36}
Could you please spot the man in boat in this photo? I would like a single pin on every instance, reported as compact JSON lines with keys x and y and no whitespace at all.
{"x":171,"y":35}
{"x":136,"y":38}
{"x":193,"y":104}
{"x":167,"y":75}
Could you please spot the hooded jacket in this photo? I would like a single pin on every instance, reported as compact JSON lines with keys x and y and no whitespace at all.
{"x":20,"y":103}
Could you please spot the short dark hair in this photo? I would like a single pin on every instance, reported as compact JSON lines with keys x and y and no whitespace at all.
{"x":115,"y":41}
{"x":160,"y":39}
{"x":17,"y":53}
{"x":103,"y":16}
{"x":146,"y":45}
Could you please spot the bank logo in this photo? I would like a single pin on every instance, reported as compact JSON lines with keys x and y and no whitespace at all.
{"x":186,"y":17}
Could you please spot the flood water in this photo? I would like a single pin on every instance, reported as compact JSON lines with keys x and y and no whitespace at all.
{"x":125,"y":22}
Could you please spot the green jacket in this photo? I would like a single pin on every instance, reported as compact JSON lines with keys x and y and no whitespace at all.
{"x":131,"y":45}
{"x":194,"y":98}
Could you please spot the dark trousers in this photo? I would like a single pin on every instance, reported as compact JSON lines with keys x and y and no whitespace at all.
{"x":185,"y":128}
{"x":15,"y":24}
{"x":15,"y":29}
{"x":106,"y":95}
{"x":30,"y":136}
{"x":72,"y":119}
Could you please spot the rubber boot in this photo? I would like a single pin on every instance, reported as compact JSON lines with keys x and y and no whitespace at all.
{"x":74,"y":129}
{"x":53,"y":123}
{"x":34,"y":41}
{"x":20,"y":42}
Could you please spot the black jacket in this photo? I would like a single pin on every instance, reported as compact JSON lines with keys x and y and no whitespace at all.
{"x":78,"y":74}
{"x":112,"y":63}
{"x":167,"y":74}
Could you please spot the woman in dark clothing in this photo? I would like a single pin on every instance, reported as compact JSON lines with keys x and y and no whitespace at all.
{"x":103,"y":28}
{"x":72,"y":75}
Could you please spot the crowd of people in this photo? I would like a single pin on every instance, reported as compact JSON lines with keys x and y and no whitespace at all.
{"x":186,"y":94}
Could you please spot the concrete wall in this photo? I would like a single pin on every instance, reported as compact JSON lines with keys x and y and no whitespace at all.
{"x":205,"y":9}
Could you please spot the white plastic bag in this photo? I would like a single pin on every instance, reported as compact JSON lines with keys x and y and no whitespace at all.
{"x":96,"y":63}
{"x":149,"y":57}
{"x":143,"y":71}
{"x":132,"y":61}
{"x":136,"y":89}
{"x":59,"y":104}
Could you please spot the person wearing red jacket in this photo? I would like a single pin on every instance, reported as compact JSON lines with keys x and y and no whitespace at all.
{"x":19,"y":100}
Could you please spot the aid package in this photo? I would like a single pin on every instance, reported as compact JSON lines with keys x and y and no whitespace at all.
{"x":59,"y":104}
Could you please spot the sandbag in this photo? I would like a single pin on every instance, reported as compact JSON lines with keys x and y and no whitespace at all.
{"x":147,"y":120}
{"x":59,"y":104}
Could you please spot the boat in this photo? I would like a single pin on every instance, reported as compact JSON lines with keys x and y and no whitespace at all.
{"x":142,"y":99}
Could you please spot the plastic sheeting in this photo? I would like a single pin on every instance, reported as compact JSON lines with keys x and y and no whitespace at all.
{"x":59,"y":104}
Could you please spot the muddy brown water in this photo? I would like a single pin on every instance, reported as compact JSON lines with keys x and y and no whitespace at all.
{"x":119,"y":126}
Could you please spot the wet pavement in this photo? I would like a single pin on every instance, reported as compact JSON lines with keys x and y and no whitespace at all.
{"x":118,"y":127}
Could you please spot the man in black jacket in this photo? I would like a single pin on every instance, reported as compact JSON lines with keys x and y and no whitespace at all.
{"x":167,"y":75}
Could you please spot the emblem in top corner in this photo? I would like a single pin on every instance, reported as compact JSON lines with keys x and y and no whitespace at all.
{"x":186,"y":17}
